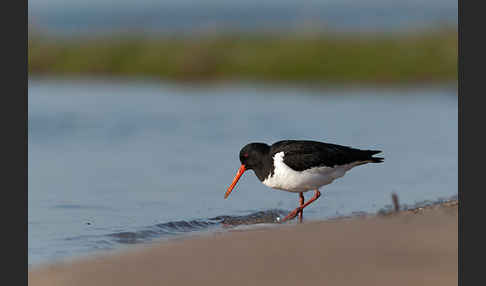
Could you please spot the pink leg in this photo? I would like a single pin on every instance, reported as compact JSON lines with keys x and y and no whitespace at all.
{"x":301,"y":201}
{"x":294,"y":213}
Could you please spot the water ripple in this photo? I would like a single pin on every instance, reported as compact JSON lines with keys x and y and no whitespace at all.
{"x":172,"y":228}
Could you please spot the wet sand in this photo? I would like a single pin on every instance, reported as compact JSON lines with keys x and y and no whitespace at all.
{"x":414,"y":247}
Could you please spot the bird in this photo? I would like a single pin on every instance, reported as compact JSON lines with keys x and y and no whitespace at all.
{"x":299,"y":166}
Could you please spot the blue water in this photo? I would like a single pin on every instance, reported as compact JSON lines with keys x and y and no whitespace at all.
{"x":169,"y":16}
{"x":116,"y":162}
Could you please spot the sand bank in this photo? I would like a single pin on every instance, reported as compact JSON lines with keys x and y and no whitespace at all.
{"x":418,"y":247}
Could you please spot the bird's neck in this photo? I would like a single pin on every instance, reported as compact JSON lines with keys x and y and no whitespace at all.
{"x":265,"y":169}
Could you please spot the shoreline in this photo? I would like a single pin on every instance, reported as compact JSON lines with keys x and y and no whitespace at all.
{"x":415,"y":245}
{"x":311,"y":86}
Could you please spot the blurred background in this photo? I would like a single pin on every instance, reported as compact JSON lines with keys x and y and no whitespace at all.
{"x":138,"y":110}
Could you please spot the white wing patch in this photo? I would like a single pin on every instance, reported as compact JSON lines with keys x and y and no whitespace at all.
{"x":287,"y":179}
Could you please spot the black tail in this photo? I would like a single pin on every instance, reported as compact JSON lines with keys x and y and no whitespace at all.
{"x":374,"y":159}
{"x":377,"y":159}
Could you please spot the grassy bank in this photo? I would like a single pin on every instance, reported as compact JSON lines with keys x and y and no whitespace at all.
{"x":400,"y":58}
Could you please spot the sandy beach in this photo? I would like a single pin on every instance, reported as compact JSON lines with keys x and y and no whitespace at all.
{"x":415,"y":247}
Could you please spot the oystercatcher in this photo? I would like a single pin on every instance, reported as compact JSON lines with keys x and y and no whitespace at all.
{"x":299,"y":166}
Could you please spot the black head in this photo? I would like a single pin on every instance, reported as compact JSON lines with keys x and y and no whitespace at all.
{"x":252,"y":155}
{"x":252,"y":158}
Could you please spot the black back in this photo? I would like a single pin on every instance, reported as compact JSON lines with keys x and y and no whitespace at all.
{"x":302,"y":154}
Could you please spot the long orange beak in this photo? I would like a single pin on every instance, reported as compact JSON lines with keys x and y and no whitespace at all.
{"x":241,"y":170}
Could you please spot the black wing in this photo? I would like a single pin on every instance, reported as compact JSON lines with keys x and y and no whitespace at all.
{"x":301,"y":155}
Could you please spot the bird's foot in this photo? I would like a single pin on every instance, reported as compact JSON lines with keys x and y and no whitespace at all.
{"x":292,"y":214}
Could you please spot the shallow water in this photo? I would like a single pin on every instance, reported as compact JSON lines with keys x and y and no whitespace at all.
{"x":116,"y":162}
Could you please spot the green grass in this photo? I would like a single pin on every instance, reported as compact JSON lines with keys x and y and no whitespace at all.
{"x":332,"y":58}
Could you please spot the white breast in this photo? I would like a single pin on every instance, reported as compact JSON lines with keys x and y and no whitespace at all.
{"x":287,"y":179}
